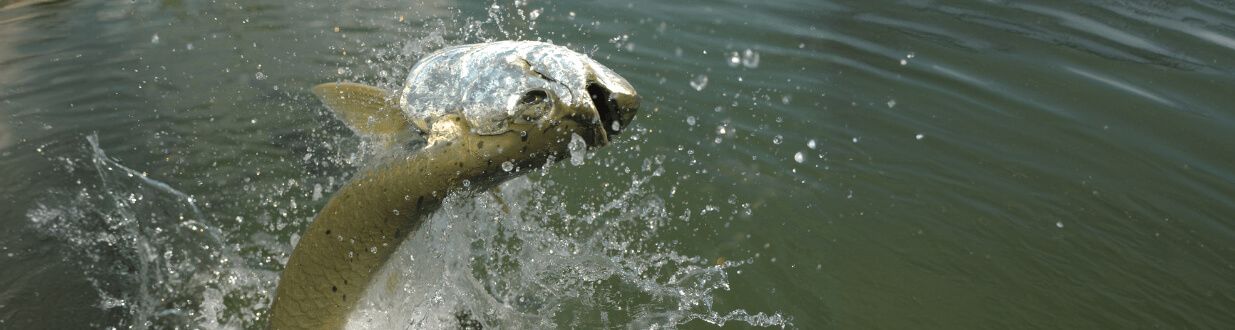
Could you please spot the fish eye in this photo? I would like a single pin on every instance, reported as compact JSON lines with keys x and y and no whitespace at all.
{"x":533,"y":105}
{"x":533,"y":97}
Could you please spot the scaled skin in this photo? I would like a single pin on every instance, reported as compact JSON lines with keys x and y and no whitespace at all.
{"x":367,"y":219}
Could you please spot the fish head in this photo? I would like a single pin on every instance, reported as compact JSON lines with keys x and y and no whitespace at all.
{"x":494,"y":87}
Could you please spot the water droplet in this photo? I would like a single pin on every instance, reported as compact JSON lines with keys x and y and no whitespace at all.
{"x":811,"y":144}
{"x":577,"y":149}
{"x":690,"y":120}
{"x":154,"y":39}
{"x":508,"y":166}
{"x":260,"y":76}
{"x":735,"y":59}
{"x":799,"y":157}
{"x":699,"y":82}
{"x":750,"y":59}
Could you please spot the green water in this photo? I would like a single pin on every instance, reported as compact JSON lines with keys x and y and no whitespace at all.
{"x":849,"y":164}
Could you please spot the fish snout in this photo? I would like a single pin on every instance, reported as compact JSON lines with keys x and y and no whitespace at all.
{"x":614,"y":108}
{"x":606,"y":115}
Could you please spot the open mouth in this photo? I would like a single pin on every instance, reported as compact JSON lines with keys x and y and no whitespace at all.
{"x":606,"y":107}
{"x":615,"y":110}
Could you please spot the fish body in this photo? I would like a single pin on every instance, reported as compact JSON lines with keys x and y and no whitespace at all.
{"x":486,"y":113}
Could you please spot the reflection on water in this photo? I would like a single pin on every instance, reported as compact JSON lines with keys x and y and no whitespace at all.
{"x":797,"y":163}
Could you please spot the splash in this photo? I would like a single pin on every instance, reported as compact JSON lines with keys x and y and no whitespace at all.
{"x":149,"y":251}
{"x":530,"y":256}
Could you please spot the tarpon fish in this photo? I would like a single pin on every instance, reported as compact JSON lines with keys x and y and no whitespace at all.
{"x":478,"y":115}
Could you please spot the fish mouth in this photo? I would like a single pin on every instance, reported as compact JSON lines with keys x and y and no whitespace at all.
{"x":614,"y":111}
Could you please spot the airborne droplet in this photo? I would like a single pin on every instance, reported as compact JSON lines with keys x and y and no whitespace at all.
{"x":750,"y":59}
{"x":577,"y":149}
{"x":699,"y":82}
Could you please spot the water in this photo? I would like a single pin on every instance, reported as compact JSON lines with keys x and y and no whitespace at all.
{"x":803,"y":164}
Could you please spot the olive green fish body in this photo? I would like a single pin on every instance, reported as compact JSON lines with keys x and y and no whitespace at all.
{"x":476,"y":138}
{"x":367,"y":219}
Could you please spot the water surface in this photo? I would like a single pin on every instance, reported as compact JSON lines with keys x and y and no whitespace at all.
{"x":802,"y":164}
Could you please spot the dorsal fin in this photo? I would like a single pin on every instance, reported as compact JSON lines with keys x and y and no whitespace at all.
{"x":367,"y":110}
